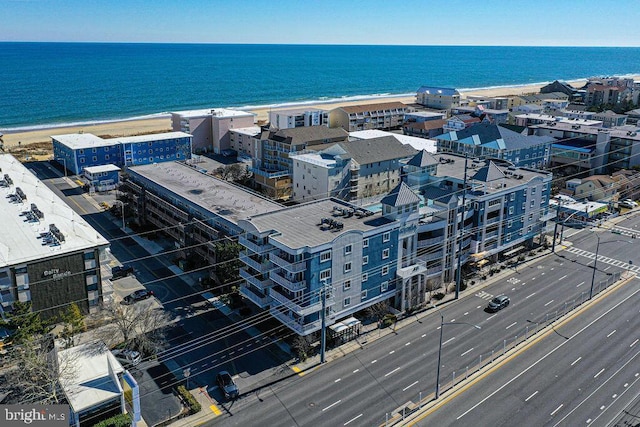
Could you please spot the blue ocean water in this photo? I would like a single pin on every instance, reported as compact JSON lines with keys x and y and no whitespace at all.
{"x":44,"y":84}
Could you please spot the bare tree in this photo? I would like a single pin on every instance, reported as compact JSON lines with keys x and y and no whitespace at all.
{"x":378,"y":311}
{"x":138,"y":325}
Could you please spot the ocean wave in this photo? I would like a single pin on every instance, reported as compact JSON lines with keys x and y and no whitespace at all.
{"x":83,"y":123}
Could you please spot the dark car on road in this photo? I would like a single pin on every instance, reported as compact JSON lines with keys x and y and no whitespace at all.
{"x":138,"y":295}
{"x":226,"y":384}
{"x":498,"y":303}
{"x":121,"y":271}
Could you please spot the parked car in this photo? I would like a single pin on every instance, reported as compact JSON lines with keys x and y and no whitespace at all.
{"x":498,"y":303}
{"x":139,"y":295}
{"x":226,"y":384}
{"x":630,"y":202}
{"x":127,"y":357}
{"x":121,"y":271}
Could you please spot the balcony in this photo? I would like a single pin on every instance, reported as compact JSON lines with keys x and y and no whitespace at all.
{"x":434,"y":271}
{"x":300,"y":329}
{"x":253,"y":246}
{"x":430,"y":242}
{"x":491,"y":235}
{"x":258,"y":299}
{"x":300,"y":310}
{"x":262,"y":267}
{"x":260,"y":284}
{"x":432,"y":256}
{"x":292,"y":286}
{"x":289,"y":266}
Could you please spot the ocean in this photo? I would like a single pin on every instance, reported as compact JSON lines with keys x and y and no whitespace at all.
{"x":49,"y":84}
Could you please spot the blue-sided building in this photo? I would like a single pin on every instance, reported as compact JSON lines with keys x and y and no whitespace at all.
{"x":81,"y":150}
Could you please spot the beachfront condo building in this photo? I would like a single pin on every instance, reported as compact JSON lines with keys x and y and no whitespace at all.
{"x":356,"y":170}
{"x":273,"y":166}
{"x":245,"y":142}
{"x":210,"y":127}
{"x":486,"y":140}
{"x":438,"y":97}
{"x":287,"y":119}
{"x":77,"y":151}
{"x":387,"y":115}
{"x":49,"y":255}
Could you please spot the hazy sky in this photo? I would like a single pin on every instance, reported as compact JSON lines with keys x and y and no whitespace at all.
{"x":409,"y":22}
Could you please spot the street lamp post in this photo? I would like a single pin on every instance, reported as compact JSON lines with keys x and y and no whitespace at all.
{"x":122,"y":206}
{"x":442,"y":324}
{"x":595,"y":261}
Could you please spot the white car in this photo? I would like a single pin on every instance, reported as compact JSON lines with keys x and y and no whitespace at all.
{"x":627,"y":204}
{"x":631,"y":202}
{"x":127,"y":357}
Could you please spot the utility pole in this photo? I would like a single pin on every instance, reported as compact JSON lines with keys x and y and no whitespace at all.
{"x":464,"y":197}
{"x":323,"y":333}
{"x":555,"y":229}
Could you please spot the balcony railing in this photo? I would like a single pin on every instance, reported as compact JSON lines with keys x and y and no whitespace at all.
{"x":261,"y":267}
{"x":300,"y":329}
{"x":260,"y":284}
{"x":253,"y":246}
{"x":292,"y":286}
{"x":295,"y":267}
{"x":296,"y":308}
{"x":429,"y":242}
{"x":259,"y":300}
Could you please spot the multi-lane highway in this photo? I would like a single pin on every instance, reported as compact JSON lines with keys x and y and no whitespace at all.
{"x":583,"y":372}
{"x":395,"y":371}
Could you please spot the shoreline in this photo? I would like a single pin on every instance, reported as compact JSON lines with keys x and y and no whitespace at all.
{"x":161,"y":122}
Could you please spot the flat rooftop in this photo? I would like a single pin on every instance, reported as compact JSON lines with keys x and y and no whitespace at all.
{"x":212,"y":194}
{"x":250,"y":130}
{"x":213,"y":112}
{"x":101,"y":168}
{"x":19,"y":236}
{"x":151,"y":137}
{"x":89,"y":383}
{"x":300,"y":226}
{"x":77,"y":141}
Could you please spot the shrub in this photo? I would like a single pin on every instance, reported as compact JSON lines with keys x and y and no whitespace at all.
{"x":388,"y":320}
{"x":463,"y":286}
{"x":120,"y":420}
{"x":187,"y":397}
{"x":438,"y":296}
{"x":473,"y":282}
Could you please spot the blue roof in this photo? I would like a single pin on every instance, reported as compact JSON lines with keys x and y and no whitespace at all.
{"x":570,"y":148}
{"x":445,"y":91}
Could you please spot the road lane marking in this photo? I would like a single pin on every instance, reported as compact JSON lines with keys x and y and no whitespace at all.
{"x":471,"y":349}
{"x":338,"y":380}
{"x":352,"y":419}
{"x":479,"y":306}
{"x":513,"y":324}
{"x":389,"y":373}
{"x":562,"y":277}
{"x":602,"y":407}
{"x":626,"y":385}
{"x":549,"y":303}
{"x":491,"y":317}
{"x":392,"y":351}
{"x":332,"y":405}
{"x":596,"y":375}
{"x":449,"y":340}
{"x":529,"y":296}
{"x":424,"y":335}
{"x":611,"y":333}
{"x":576,"y":361}
{"x":356,"y":371}
{"x":557,"y":409}
{"x":579,"y":284}
{"x":374,"y":361}
{"x":215,"y":410}
{"x":410,"y":385}
{"x":634,"y":343}
{"x":407,"y":343}
{"x":534,"y":393}
{"x":614,"y":396}
{"x":584,"y":328}
{"x":466,"y":313}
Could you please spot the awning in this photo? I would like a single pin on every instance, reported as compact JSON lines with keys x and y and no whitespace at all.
{"x":482,"y":262}
{"x":513,"y":251}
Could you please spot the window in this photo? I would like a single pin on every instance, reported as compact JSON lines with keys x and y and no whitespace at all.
{"x":365,"y":243}
{"x":95,"y":158}
{"x":325,"y":274}
{"x":384,"y":286}
{"x":385,"y":270}
{"x":347,"y":302}
{"x":365,"y":260}
{"x":509,"y":224}
{"x":513,"y":196}
{"x":325,"y":256}
{"x":363,"y":295}
{"x":386,"y":237}
{"x":533,"y":203}
{"x":347,"y":285}
{"x":106,"y":157}
{"x":365,"y":277}
{"x":347,"y":267}
{"x":347,"y":249}
{"x":510,"y":210}
{"x":385,"y":253}
{"x":508,"y":237}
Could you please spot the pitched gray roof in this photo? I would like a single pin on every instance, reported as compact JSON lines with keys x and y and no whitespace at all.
{"x":488,"y":173}
{"x":489,"y":132}
{"x":400,"y":196}
{"x":366,"y":151}
{"x":422,"y":159}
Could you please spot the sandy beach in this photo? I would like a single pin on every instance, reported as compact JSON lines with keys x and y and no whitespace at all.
{"x":157,"y":125}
